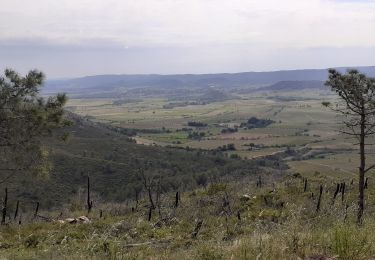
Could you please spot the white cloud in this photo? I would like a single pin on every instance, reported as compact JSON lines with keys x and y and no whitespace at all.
{"x":262,"y":26}
{"x":146,"y":23}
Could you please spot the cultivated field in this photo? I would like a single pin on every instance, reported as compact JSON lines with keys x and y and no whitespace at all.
{"x":300,"y":123}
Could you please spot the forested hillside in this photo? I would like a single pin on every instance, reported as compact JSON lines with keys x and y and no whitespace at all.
{"x":114,"y":162}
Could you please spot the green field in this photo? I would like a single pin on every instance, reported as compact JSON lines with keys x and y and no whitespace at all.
{"x":300,"y":122}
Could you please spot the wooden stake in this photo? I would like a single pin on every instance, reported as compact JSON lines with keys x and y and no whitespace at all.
{"x":319,"y":199}
{"x":5,"y":205}
{"x":149,"y":214}
{"x":176,"y":200}
{"x":343,"y":192}
{"x":16,"y":212}
{"x":336,"y":192}
{"x":136,"y":199}
{"x":89,"y":201}
{"x":36,"y":210}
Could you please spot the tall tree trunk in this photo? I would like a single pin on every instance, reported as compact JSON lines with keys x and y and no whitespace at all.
{"x":361,"y":182}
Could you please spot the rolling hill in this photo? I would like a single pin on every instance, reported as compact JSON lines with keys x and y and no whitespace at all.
{"x":121,"y":83}
{"x":112,"y":161}
{"x":295,"y":86}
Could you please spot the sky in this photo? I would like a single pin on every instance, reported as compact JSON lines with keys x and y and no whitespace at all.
{"x":72,"y":38}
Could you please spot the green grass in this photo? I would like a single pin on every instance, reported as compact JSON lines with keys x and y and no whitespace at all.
{"x":266,"y":229}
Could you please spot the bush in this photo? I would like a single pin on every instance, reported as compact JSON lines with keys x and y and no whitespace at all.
{"x":216,"y":188}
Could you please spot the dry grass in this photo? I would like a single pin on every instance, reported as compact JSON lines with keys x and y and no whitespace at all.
{"x":277,"y":222}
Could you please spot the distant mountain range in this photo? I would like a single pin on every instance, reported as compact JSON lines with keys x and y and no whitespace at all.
{"x":122,"y":83}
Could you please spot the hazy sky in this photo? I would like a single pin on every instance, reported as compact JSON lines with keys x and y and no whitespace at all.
{"x":67,"y":38}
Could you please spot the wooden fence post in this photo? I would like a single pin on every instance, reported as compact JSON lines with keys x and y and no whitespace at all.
{"x":149,"y":214}
{"x":16,"y":212}
{"x":89,"y":201}
{"x":336,"y":192}
{"x":319,"y":199}
{"x":5,"y":205}
{"x":36,"y":210}
{"x":343,"y":192}
{"x":177,"y":199}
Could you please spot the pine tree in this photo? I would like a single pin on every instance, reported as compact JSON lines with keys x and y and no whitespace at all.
{"x":26,"y":117}
{"x":357,"y":93}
